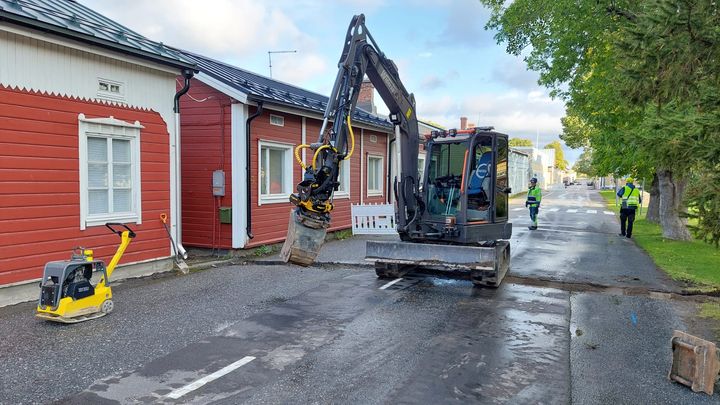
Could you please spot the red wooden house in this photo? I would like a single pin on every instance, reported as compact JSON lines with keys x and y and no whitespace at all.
{"x":86,"y":137}
{"x":232,"y":114}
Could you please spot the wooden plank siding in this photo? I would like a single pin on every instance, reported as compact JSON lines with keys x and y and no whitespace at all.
{"x":270,"y":220}
{"x":39,"y":183}
{"x":206,"y":133}
{"x":205,"y":123}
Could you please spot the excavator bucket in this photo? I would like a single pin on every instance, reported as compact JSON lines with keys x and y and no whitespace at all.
{"x":483,"y":265}
{"x":694,"y":362}
{"x":304,"y":239}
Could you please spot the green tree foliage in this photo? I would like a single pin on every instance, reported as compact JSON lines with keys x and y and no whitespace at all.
{"x":520,"y":142}
{"x":584,"y":164}
{"x":560,"y":162}
{"x":641,"y":82}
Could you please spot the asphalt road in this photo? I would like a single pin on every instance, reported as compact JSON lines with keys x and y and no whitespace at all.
{"x":334,"y":333}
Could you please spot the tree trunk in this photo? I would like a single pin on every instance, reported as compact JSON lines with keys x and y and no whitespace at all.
{"x":671,"y":193}
{"x":653,"y":207}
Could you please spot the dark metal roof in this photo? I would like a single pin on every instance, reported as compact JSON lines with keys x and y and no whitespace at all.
{"x":71,"y":19}
{"x":261,"y":88}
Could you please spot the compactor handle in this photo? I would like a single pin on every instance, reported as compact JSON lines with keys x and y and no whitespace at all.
{"x":110,"y":225}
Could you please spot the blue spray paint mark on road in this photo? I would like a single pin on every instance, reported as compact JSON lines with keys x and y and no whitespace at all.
{"x":633,"y":318}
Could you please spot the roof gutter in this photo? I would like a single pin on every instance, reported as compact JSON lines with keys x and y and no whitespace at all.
{"x":248,"y":208}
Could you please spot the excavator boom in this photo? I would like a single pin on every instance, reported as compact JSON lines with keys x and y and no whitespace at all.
{"x":451,"y":221}
{"x":313,"y":200}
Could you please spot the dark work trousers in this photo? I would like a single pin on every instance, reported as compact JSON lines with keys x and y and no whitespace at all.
{"x":534,"y":214}
{"x":627,"y":214}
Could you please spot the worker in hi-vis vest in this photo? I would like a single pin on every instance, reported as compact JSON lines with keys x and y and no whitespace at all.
{"x":533,"y":201}
{"x":630,"y":199}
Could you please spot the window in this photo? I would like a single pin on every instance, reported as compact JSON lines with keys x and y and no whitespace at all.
{"x":343,"y":190}
{"x":479,"y":196}
{"x":277,"y":120}
{"x":110,"y":89}
{"x":445,"y":178}
{"x":501,"y":197}
{"x":109,"y":171}
{"x":275,"y":172}
{"x":375,"y":176}
{"x":421,"y":168}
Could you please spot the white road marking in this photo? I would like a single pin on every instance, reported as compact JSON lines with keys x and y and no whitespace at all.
{"x":608,"y":213}
{"x":390,"y":283}
{"x":572,"y":211}
{"x":592,"y":211}
{"x":554,"y":209}
{"x":214,"y":376}
{"x":517,"y":209}
{"x":541,"y":229}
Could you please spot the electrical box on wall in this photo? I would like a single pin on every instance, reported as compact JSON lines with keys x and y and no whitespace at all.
{"x":218,"y":183}
{"x":226,"y":215}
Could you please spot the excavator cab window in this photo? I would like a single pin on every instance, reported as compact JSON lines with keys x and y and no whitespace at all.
{"x":479,"y":191}
{"x":444,"y":180}
{"x":501,"y":182}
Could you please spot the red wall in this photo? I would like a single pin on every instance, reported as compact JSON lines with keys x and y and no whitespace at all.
{"x":206,"y":133}
{"x":206,"y":124}
{"x":270,"y":220}
{"x":40,"y":186}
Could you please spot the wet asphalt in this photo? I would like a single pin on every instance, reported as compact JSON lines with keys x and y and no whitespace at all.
{"x":336,"y":334}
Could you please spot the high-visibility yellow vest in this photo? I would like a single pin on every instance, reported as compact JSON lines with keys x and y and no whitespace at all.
{"x":632,"y":196}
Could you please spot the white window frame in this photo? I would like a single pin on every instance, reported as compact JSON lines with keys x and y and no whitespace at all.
{"x":287,"y":176}
{"x":421,"y":168}
{"x":380,"y":178}
{"x":109,"y":95}
{"x":344,"y":180}
{"x":109,"y":128}
{"x":277,"y":117}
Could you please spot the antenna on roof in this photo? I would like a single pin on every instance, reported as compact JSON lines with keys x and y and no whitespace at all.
{"x":270,"y":58}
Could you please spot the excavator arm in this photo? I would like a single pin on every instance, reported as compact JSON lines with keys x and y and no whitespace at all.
{"x":360,"y":57}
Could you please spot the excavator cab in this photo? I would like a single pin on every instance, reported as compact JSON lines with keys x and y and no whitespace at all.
{"x":465,"y":188}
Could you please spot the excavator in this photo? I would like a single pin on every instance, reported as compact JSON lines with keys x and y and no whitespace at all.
{"x":452,"y":221}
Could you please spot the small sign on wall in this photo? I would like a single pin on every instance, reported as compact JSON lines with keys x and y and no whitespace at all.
{"x":373,"y":138}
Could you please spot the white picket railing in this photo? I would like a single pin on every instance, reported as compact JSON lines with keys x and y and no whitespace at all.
{"x":373,"y":219}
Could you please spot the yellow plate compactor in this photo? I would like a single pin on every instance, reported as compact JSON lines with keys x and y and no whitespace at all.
{"x":66,"y":293}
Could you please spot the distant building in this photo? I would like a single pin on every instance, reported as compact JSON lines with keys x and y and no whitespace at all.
{"x":542,"y":165}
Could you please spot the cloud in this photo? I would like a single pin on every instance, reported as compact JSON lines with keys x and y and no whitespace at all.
{"x":464,"y":27}
{"x":431,"y":83}
{"x":228,"y":28}
{"x":299,"y":68}
{"x":519,"y":114}
{"x":425,"y":55}
{"x":512,"y":72}
{"x":363,"y":4}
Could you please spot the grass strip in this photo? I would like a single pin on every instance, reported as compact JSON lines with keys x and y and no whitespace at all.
{"x":694,"y":262}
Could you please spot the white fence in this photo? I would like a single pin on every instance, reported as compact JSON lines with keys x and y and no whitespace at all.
{"x":373,"y":219}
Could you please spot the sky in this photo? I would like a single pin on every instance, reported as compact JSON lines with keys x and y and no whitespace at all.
{"x":444,"y":55}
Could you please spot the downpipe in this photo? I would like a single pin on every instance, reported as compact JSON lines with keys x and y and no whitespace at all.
{"x":181,"y":252}
{"x":248,"y":167}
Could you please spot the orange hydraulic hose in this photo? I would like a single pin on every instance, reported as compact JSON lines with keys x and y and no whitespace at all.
{"x":297,"y":154}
